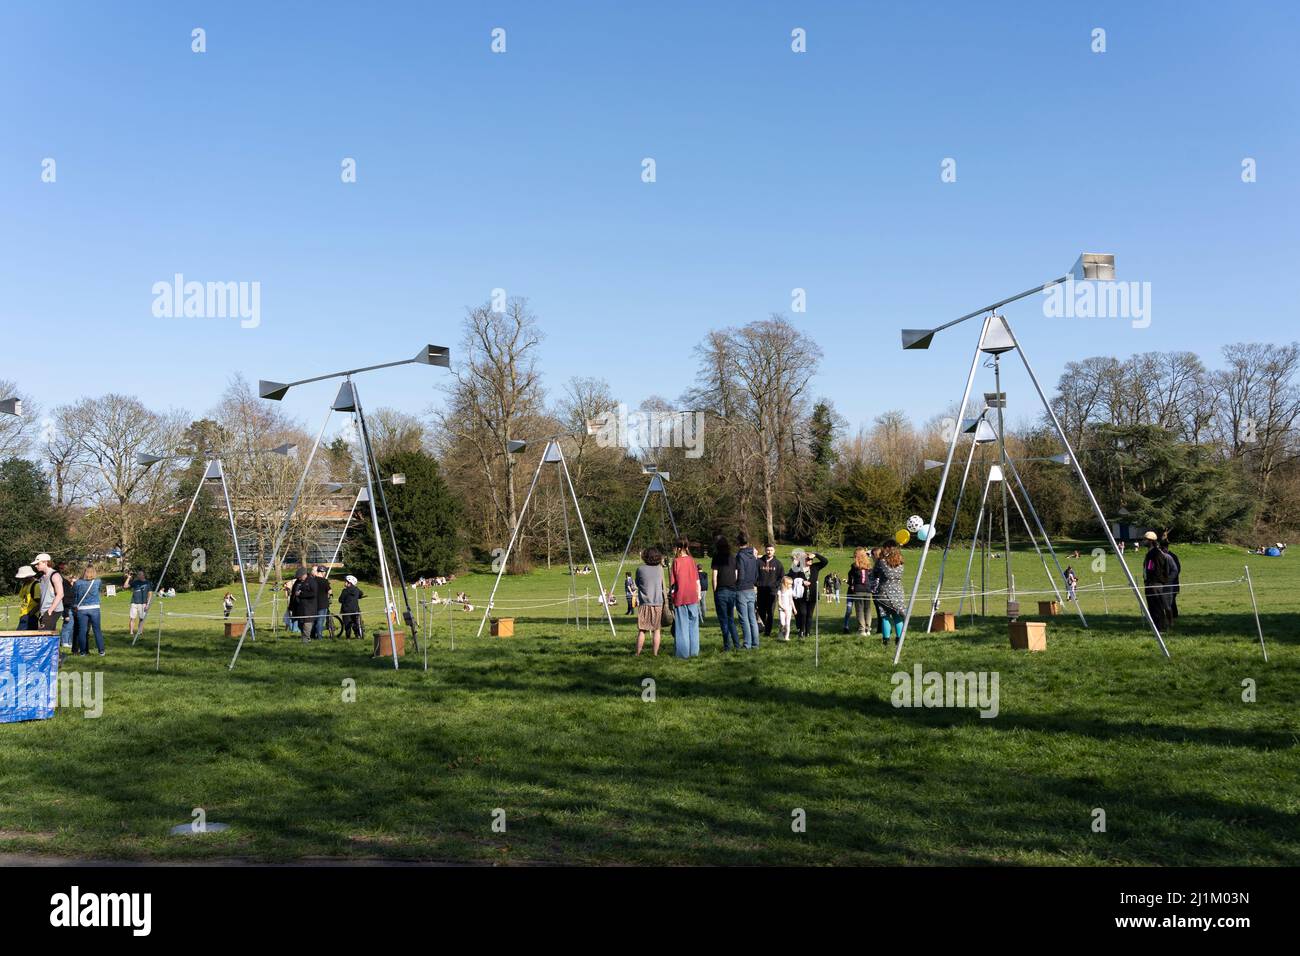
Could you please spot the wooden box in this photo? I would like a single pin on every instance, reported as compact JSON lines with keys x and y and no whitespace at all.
{"x":503,"y":627}
{"x":235,"y":628}
{"x":1049,"y":608}
{"x":1028,"y":635}
{"x":944,"y":621}
{"x":383,"y":648}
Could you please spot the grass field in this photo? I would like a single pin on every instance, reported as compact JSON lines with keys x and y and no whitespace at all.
{"x":551,"y":727}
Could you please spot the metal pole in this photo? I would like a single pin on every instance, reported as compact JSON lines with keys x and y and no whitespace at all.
{"x":1002,"y":451}
{"x":1105,"y":601}
{"x":1078,"y":468}
{"x":572,"y":573}
{"x":157,"y":587}
{"x":974,"y":543}
{"x":952,"y":527}
{"x":390,"y":600}
{"x":938,"y":498}
{"x":1251,"y":584}
{"x":635,"y":524}
{"x":243,"y":578}
{"x":388,"y":517}
{"x":1029,"y":503}
{"x":595,"y":568}
{"x":338,"y":548}
{"x":1034,"y":541}
{"x":509,"y":547}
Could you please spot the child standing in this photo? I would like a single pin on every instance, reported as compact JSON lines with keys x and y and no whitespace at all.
{"x":228,"y":603}
{"x":1071,"y":582}
{"x":785,"y":607}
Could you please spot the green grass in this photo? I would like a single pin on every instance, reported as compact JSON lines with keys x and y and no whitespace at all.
{"x":551,"y":727}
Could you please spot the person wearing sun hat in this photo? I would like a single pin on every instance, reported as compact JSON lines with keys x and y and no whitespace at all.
{"x":1155,"y":575}
{"x":29,"y":598}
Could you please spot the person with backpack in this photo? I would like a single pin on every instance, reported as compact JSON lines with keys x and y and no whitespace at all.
{"x":747,"y":591}
{"x":1155,"y":575}
{"x":52,"y":587}
{"x":723,"y":570}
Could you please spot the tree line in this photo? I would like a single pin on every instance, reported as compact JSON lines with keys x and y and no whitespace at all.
{"x":1167,"y":441}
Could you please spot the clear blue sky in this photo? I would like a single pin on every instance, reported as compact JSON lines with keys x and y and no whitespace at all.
{"x":523,"y":171}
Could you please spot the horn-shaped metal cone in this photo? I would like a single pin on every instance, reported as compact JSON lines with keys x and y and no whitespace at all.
{"x":271,"y":390}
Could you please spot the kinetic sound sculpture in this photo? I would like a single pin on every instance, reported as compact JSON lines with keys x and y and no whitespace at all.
{"x":348,"y":400}
{"x":213,"y":470}
{"x":997,"y":338}
{"x":553,"y":455}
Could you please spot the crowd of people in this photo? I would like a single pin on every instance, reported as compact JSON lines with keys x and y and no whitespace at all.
{"x":52,"y":598}
{"x":754,"y":592}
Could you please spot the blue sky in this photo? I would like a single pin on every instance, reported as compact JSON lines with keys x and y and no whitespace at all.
{"x":522,"y":171}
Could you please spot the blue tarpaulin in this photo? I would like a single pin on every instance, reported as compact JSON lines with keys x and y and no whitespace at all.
{"x":29,"y":672}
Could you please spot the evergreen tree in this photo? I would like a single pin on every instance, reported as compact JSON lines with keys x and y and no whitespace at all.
{"x":29,"y":522}
{"x":426,"y":522}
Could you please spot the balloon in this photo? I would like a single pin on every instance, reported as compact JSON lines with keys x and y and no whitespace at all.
{"x":914,"y":523}
{"x":902,"y":537}
{"x":923,"y":532}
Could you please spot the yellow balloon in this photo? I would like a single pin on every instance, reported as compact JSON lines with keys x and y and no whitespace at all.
{"x":902,"y":536}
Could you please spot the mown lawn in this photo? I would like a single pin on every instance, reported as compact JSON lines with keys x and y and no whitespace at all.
{"x":551,"y":727}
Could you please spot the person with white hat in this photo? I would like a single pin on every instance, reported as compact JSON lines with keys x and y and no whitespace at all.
{"x":29,"y":598}
{"x":350,"y":608}
{"x":51,"y":592}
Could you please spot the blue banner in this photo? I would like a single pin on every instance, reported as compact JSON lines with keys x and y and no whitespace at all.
{"x":29,"y":677}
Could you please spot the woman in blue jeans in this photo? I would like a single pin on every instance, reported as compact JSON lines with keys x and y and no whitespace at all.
{"x":724,"y":591}
{"x":85,"y":607}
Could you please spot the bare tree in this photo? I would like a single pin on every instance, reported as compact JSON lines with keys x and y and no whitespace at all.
{"x":16,"y":430}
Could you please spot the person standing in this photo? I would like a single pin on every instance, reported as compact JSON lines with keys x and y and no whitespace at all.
{"x":350,"y":607}
{"x":302,"y":603}
{"x":684,"y":586}
{"x":629,"y":590}
{"x":890,"y":600}
{"x":85,"y":602}
{"x":723,"y":567}
{"x":227,"y":604}
{"x":770,"y":573}
{"x":859,"y":594}
{"x":140,"y":587}
{"x":785,"y":607}
{"x":29,"y":598}
{"x":747,"y":591}
{"x":650,"y":599}
{"x":1155,"y":575}
{"x":805,"y":567}
{"x":51,"y":606}
{"x":1071,"y":585}
{"x":322,"y":589}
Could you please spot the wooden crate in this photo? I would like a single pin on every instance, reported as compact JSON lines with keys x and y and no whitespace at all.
{"x":503,"y":627}
{"x":385,"y":649}
{"x":1028,"y":635}
{"x":235,"y":628}
{"x":1049,"y":608}
{"x":944,"y":621}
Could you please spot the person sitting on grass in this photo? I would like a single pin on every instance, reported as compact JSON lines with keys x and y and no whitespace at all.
{"x":650,"y":598}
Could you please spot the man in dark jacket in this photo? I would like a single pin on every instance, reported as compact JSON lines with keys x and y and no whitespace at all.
{"x":770,"y":572}
{"x":350,"y":608}
{"x":321,"y":585}
{"x":1155,"y":576}
{"x":747,"y":591}
{"x":302,"y":602}
{"x":1174,"y":569}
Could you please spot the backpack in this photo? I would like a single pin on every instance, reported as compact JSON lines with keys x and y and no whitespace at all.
{"x":797,"y":587}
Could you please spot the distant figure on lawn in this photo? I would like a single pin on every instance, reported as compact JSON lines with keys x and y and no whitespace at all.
{"x":629,"y":589}
{"x":350,"y":607}
{"x":1174,"y":585}
{"x":1071,"y":584}
{"x":890,"y":602}
{"x":227,"y":604}
{"x":1155,"y":576}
